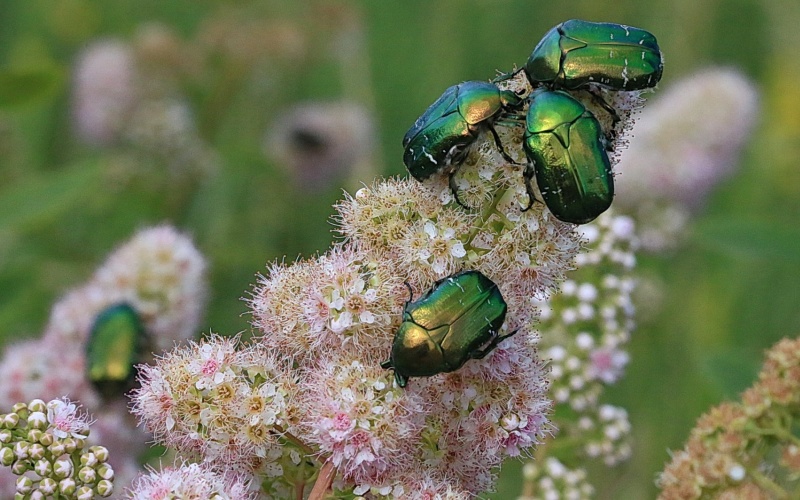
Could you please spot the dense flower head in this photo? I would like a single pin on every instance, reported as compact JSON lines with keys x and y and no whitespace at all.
{"x":163,"y":129}
{"x":408,"y":228}
{"x":748,"y":447}
{"x":125,"y":96}
{"x":484,"y":413}
{"x":355,"y":414}
{"x":190,"y":481}
{"x":162,"y":275}
{"x":688,"y":140}
{"x":217,"y":401}
{"x":336,"y":301}
{"x":104,"y":90}
{"x":331,"y":320}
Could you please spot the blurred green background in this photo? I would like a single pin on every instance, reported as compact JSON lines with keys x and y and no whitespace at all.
{"x":730,"y":290}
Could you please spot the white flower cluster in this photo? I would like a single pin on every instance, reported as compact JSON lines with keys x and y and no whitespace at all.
{"x":584,"y":329}
{"x":552,"y":480}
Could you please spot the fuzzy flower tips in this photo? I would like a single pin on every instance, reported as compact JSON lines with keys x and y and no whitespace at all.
{"x":336,"y":317}
{"x":745,"y":449}
{"x":217,"y":401}
{"x":190,"y":481}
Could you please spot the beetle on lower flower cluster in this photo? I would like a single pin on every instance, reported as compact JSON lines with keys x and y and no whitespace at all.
{"x":457,"y":320}
{"x":571,"y":166}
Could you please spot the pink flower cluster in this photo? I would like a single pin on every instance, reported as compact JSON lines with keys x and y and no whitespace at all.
{"x":161,"y":275}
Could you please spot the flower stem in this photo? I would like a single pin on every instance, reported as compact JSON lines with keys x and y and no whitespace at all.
{"x":767,"y":484}
{"x":324,"y":480}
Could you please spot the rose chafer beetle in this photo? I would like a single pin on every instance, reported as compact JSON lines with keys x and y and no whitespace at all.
{"x":577,"y":53}
{"x":114,"y":346}
{"x":439,"y":139}
{"x":457,"y":320}
{"x":565,"y":143}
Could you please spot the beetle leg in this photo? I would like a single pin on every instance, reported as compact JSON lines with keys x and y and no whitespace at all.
{"x":500,"y":146}
{"x":454,"y":189}
{"x":527,"y":175}
{"x":482,"y":353}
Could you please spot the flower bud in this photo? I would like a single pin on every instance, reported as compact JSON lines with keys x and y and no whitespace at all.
{"x":105,"y":488}
{"x":88,"y":459}
{"x":24,"y":484}
{"x":34,"y":435}
{"x":84,"y":493}
{"x":36,"y":451}
{"x":10,"y":420}
{"x":57,"y":448}
{"x":5,"y":436}
{"x":20,"y":408}
{"x":20,"y":467}
{"x":46,"y":439}
{"x":87,"y":475}
{"x":37,"y":420}
{"x":70,"y":445}
{"x":6,"y":456}
{"x":67,"y":486}
{"x":63,"y":468}
{"x":105,"y":472}
{"x":48,"y":486}
{"x":101,"y":452}
{"x":21,"y":449}
{"x":43,"y":467}
{"x":37,"y":405}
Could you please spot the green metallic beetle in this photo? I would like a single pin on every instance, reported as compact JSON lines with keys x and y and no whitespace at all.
{"x":439,"y":139}
{"x":577,"y":53}
{"x":457,"y":320}
{"x":565,"y":143}
{"x":114,"y":347}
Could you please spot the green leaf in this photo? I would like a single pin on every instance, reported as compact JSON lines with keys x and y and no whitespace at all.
{"x":749,"y":238}
{"x":25,"y":86}
{"x":46,"y":196}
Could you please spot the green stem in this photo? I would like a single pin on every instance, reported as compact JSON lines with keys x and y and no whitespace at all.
{"x":486,"y":213}
{"x":778,"y":432}
{"x":767,"y":484}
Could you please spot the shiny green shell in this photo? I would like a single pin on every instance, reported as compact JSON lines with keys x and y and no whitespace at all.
{"x":457,"y":320}
{"x":564,"y":142}
{"x":576,"y":53}
{"x":113,"y":349}
{"x":440,"y":137}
